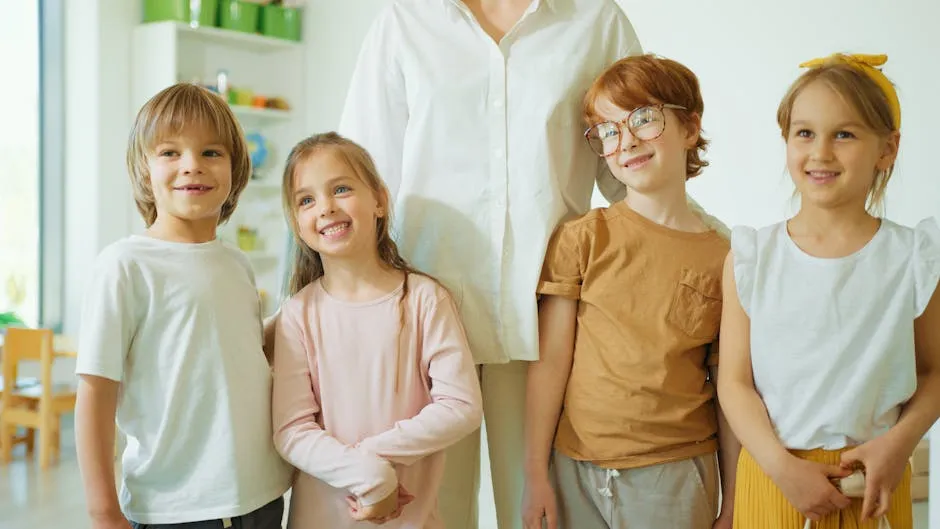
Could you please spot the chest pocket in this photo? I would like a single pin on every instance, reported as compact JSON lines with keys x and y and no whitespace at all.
{"x":696,"y":305}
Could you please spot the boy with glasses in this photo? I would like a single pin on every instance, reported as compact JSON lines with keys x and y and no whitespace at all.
{"x":622,"y":423}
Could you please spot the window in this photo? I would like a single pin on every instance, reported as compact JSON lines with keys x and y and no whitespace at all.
{"x":31,"y":150}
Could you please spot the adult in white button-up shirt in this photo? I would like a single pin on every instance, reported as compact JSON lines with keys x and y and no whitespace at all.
{"x":472,"y":111}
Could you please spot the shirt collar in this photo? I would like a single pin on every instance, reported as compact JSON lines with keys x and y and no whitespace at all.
{"x":457,"y":6}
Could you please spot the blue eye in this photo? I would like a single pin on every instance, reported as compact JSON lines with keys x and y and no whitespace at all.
{"x":342,"y":189}
{"x":305,"y":201}
{"x":212,"y":153}
{"x":168,"y":153}
{"x":844,"y":135}
{"x":804,"y":133}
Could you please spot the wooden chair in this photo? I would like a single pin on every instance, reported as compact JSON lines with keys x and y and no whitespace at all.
{"x":38,"y":407}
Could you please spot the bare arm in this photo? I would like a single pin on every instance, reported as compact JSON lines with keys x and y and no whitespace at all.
{"x":728,"y":450}
{"x":94,"y":435}
{"x":741,"y":405}
{"x":547,"y":379}
{"x":922,"y":411}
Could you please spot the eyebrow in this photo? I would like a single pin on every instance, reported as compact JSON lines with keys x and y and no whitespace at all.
{"x":804,"y":123}
{"x":332,"y":181}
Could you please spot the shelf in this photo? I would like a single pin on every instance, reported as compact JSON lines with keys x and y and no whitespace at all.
{"x":260,"y":114}
{"x":228,"y":37}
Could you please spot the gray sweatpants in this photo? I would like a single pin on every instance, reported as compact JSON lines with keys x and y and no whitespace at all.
{"x":677,"y":495}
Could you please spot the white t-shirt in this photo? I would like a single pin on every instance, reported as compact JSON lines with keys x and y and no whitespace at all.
{"x":179,"y":325}
{"x":832,"y":340}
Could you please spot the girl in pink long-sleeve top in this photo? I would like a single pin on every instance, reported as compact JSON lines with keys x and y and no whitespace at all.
{"x":373,"y":376}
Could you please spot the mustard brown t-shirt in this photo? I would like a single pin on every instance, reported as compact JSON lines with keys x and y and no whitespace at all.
{"x":649,"y":308}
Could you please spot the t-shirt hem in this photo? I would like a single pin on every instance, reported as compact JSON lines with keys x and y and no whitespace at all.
{"x":643,"y":460}
{"x":217,"y":513}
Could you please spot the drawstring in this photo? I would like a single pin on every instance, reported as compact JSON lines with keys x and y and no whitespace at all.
{"x":606,"y":492}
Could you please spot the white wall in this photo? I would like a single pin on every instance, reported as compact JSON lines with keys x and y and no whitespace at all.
{"x":98,"y":117}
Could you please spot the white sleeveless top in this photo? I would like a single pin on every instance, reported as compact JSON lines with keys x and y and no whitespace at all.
{"x":832,"y":340}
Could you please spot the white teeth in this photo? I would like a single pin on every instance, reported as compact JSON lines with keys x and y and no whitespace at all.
{"x":333,"y":230}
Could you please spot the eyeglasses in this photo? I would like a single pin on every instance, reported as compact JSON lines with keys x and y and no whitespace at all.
{"x":645,"y":123}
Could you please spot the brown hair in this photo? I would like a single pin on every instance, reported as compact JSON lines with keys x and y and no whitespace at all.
{"x":171,"y":112}
{"x":635,"y":81}
{"x":861,"y":93}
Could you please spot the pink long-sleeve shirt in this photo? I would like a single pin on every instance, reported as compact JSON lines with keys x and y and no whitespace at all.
{"x":363,"y":403}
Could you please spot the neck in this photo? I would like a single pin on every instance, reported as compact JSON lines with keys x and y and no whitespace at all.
{"x":358,"y":278}
{"x":667,"y":206}
{"x":179,"y":230}
{"x":818,"y":222}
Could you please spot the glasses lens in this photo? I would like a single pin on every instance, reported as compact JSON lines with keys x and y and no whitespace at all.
{"x":604,"y":138}
{"x":647,"y":123}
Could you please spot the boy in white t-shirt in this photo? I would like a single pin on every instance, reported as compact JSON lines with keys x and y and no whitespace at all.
{"x":171,"y":339}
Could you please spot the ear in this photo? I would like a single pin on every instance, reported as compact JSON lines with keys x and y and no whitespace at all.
{"x":889,"y":151}
{"x":381,"y":204}
{"x":693,"y":129}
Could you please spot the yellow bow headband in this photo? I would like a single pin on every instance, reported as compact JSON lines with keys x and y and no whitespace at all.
{"x":868,"y":65}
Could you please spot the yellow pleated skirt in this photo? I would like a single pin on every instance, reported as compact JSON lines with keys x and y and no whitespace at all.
{"x":759,"y":504}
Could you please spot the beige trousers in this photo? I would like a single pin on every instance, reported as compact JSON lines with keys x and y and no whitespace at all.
{"x":677,"y":495}
{"x":503,"y":388}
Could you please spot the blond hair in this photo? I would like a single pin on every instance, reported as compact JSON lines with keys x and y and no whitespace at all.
{"x":171,"y":112}
{"x":863,"y":95}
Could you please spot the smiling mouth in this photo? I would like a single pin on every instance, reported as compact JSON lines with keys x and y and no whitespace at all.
{"x":822,"y":175}
{"x":194,"y":188}
{"x":335,"y":229}
{"x":637,"y":161}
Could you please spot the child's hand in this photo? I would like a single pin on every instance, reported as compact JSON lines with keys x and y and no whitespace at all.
{"x":884,"y":461}
{"x":808,"y":488}
{"x":388,"y":509}
{"x":539,"y":503}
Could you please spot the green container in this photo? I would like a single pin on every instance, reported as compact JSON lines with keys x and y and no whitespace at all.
{"x":280,"y":22}
{"x":239,"y":16}
{"x":179,"y":10}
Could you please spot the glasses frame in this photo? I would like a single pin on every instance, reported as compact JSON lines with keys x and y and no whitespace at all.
{"x":623,"y":123}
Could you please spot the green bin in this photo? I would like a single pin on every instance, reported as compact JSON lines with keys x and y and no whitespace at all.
{"x":280,"y":22}
{"x":179,"y":10}
{"x":239,"y":16}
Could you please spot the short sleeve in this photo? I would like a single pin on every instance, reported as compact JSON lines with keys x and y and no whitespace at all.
{"x":744,"y":249}
{"x":926,"y":263}
{"x":563,"y":267}
{"x":108,"y":321}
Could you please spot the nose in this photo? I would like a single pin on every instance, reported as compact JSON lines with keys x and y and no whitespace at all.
{"x":190,"y":163}
{"x":627,"y":143}
{"x":327,"y":206}
{"x":822,"y":150}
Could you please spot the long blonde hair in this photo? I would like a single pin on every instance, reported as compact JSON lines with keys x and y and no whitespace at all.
{"x":861,"y":93}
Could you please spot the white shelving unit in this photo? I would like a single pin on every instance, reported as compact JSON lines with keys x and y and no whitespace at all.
{"x":168,"y":52}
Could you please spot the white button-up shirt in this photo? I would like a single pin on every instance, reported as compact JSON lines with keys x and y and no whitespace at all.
{"x":481,"y":146}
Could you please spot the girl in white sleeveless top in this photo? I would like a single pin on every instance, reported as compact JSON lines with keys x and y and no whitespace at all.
{"x":830,"y":335}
